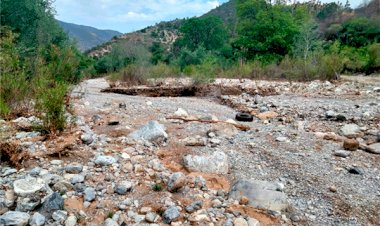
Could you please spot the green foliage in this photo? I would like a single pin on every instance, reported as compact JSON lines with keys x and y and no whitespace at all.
{"x":38,"y":63}
{"x":157,"y":53}
{"x":162,"y":70}
{"x":266,"y":32}
{"x":33,"y":20}
{"x":51,"y":104}
{"x":329,"y":10}
{"x":188,"y":57}
{"x":13,"y":81}
{"x":208,"y":32}
{"x":373,"y":64}
{"x":157,"y":187}
{"x":131,"y":75}
{"x":360,"y":31}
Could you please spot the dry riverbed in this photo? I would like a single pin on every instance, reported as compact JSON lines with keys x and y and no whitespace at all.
{"x":310,"y":156}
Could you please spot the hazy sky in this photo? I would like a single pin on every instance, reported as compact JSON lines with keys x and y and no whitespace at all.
{"x":130,"y":15}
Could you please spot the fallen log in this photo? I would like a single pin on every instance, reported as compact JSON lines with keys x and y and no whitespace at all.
{"x":238,"y":126}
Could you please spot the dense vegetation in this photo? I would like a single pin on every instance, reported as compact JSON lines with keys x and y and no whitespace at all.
{"x":257,"y":38}
{"x":38,"y":63}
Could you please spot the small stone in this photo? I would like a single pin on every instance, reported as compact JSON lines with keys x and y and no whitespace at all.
{"x":63,"y":187}
{"x":342,"y":153}
{"x":37,"y":219}
{"x":281,"y":139}
{"x":257,"y":99}
{"x":194,"y":141}
{"x":56,"y":162}
{"x":240,"y":222}
{"x":153,"y":132}
{"x":181,"y":113}
{"x":330,"y":114}
{"x":216,"y":203}
{"x":171,"y":214}
{"x":151,"y":217}
{"x":27,"y":204}
{"x":176,"y":181}
{"x":14,"y":218}
{"x":351,"y":144}
{"x":267,"y":115}
{"x":105,"y":160}
{"x":71,"y":221}
{"x":110,"y":222}
{"x":350,"y":130}
{"x":60,"y":216}
{"x":53,"y":202}
{"x":374,"y":148}
{"x":87,"y":138}
{"x":253,"y":222}
{"x":113,"y":123}
{"x":217,"y":163}
{"x":244,"y":200}
{"x":332,"y":188}
{"x":355,"y":170}
{"x":123,"y":187}
{"x":89,"y":194}
{"x":194,"y":206}
{"x":74,"y":168}
{"x":78,"y":178}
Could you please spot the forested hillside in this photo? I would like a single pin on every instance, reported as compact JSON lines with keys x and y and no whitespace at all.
{"x":254,"y":38}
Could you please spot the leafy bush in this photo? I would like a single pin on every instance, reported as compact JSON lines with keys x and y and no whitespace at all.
{"x":373,"y":64}
{"x":50,"y":103}
{"x":131,"y":75}
{"x":162,"y":70}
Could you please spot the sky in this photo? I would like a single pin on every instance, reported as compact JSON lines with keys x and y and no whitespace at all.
{"x":130,"y":15}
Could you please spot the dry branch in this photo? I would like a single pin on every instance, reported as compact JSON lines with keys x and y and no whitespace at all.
{"x":239,"y":126}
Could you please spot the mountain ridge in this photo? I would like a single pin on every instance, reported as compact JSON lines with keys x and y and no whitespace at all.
{"x":87,"y":37}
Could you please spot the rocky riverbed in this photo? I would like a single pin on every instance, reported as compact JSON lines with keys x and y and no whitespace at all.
{"x":310,"y":156}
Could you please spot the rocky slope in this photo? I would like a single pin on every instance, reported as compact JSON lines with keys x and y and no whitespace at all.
{"x":310,"y":157}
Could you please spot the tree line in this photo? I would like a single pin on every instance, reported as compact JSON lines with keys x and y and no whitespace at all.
{"x":301,"y":41}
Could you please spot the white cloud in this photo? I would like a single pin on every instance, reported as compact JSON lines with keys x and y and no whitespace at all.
{"x":129,"y":15}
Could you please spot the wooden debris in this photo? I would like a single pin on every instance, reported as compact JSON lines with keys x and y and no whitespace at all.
{"x":239,"y":126}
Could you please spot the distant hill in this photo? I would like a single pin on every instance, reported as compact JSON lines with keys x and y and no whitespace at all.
{"x":165,"y":33}
{"x":87,"y":37}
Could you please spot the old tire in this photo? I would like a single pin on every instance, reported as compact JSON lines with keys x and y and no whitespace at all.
{"x":244,"y":117}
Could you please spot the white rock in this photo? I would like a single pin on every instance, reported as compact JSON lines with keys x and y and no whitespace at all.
{"x":181,"y":113}
{"x":25,"y":187}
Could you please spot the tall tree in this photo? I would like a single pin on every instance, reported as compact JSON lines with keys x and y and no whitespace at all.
{"x":265,"y":31}
{"x":33,"y":21}
{"x":208,"y":32}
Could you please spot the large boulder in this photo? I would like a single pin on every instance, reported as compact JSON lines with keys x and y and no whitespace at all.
{"x":261,"y":194}
{"x":153,"y":132}
{"x":14,"y":218}
{"x":214,"y":163}
{"x":29,"y":186}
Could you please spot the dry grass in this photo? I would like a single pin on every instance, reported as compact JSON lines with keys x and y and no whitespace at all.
{"x":13,"y":154}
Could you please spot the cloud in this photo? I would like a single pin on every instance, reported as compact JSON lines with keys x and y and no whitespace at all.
{"x":129,"y":15}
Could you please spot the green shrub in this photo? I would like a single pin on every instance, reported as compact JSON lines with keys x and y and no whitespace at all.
{"x":162,"y":70}
{"x":131,"y":75}
{"x":373,"y":64}
{"x":50,"y":103}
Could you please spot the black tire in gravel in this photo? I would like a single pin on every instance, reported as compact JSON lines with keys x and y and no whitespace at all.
{"x":244,"y":117}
